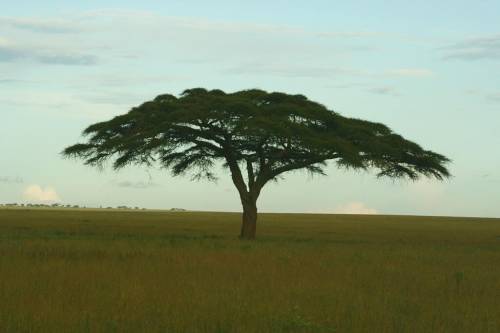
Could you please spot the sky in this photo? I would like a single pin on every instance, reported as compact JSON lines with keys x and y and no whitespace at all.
{"x":429,"y":70}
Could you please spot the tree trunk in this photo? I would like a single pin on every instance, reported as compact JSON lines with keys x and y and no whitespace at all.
{"x":249,"y":220}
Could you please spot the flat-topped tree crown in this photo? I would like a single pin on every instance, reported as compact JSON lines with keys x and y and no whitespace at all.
{"x":264,"y":134}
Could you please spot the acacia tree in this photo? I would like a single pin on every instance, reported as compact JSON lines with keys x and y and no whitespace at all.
{"x":258,"y":136}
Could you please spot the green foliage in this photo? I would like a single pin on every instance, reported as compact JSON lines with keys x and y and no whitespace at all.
{"x":267,"y":133}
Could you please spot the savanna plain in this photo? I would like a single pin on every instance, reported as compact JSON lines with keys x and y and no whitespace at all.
{"x":151,"y":271}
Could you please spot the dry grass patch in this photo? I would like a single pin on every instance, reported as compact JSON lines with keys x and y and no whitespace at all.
{"x":108,"y":271}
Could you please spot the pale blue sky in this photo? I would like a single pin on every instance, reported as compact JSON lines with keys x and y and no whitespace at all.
{"x":428,"y":70}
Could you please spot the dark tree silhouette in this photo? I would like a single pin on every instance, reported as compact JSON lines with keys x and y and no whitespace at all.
{"x":257,"y":135}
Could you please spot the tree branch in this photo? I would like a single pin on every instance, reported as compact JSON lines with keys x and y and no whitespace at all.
{"x":251,"y":174}
{"x":236,"y":175}
{"x":298,"y":165}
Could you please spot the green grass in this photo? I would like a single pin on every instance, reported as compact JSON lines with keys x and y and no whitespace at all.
{"x":120,"y":271}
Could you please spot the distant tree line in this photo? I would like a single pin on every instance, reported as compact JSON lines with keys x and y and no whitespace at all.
{"x":57,"y":205}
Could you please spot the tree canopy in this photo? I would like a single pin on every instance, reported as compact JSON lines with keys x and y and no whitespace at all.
{"x":264,"y":134}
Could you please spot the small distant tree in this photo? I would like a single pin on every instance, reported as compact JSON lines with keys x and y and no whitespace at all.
{"x":258,"y":136}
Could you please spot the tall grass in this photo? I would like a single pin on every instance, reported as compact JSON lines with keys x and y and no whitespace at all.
{"x":110,"y":271}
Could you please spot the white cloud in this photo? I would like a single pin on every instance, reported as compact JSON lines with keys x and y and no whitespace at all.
{"x":57,"y":103}
{"x":151,"y":20}
{"x":135,"y":185}
{"x":39,"y":194}
{"x":352,"y":34}
{"x":411,"y":72}
{"x":494,"y":97}
{"x":294,"y":70}
{"x":40,"y":24}
{"x":239,"y":48}
{"x":481,"y":48}
{"x":384,"y":91}
{"x":13,"y":52}
{"x":355,"y":208}
{"x":11,"y":180}
{"x":114,"y":33}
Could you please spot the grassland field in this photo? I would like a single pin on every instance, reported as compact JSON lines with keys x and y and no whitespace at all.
{"x":145,"y":271}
